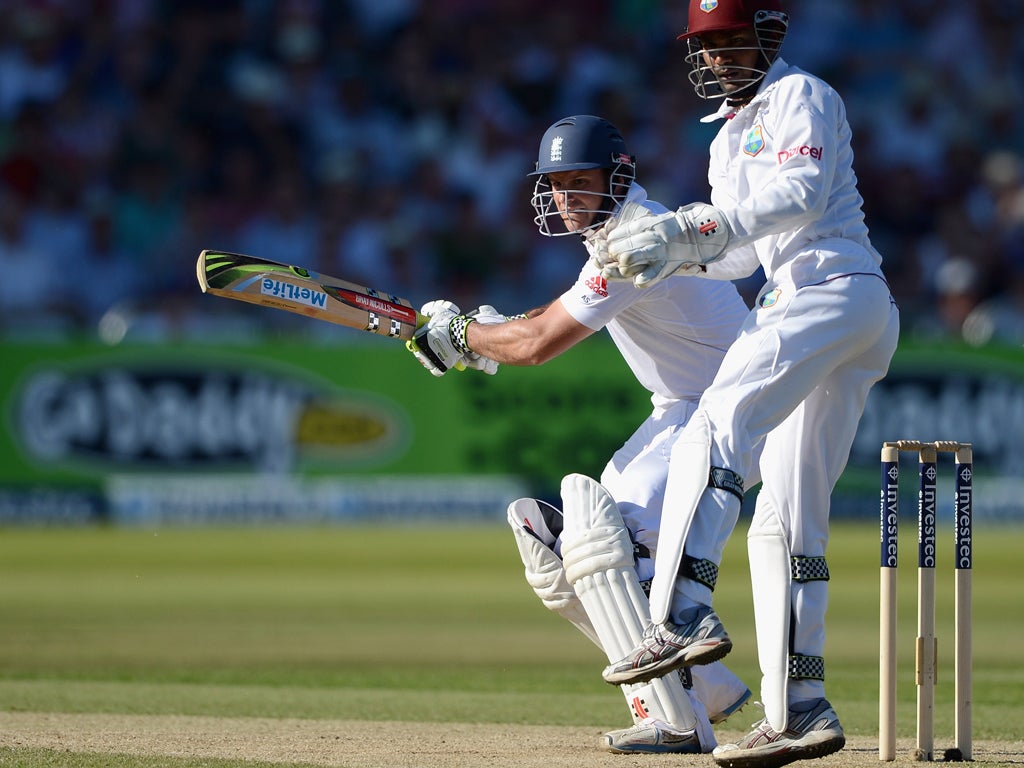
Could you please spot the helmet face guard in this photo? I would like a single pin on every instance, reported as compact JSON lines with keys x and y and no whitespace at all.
{"x":769,"y":23}
{"x":577,"y":143}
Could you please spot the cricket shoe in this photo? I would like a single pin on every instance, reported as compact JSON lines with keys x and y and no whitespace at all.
{"x":652,"y":736}
{"x":665,"y":647}
{"x":726,"y":712}
{"x":721,"y":692}
{"x":812,"y":730}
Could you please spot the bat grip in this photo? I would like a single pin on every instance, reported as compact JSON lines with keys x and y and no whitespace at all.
{"x":412,"y":344}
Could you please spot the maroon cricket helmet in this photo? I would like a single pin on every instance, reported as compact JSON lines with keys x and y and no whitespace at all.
{"x":725,"y":15}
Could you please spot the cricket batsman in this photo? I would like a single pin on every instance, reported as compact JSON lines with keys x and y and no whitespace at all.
{"x":591,"y":560}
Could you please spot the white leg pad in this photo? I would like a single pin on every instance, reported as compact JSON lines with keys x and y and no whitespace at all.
{"x":688,"y":474}
{"x":598,"y":556}
{"x":659,"y":699}
{"x":544,"y":570}
{"x":771,"y":580}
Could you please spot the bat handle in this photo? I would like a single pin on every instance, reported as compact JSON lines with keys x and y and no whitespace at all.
{"x":411,"y":344}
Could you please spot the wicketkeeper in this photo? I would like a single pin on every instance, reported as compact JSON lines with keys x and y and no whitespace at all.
{"x":591,"y":561}
{"x":792,"y":386}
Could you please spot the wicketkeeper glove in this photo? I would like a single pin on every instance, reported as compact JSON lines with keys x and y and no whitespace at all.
{"x":597,"y":240}
{"x":649,"y":248}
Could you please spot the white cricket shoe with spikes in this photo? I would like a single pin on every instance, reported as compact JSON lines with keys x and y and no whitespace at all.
{"x":813,"y":731}
{"x":652,"y":736}
{"x":655,"y":736}
{"x":701,"y":639}
{"x":723,"y":714}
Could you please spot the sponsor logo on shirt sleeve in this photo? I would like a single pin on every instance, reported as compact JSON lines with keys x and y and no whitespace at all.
{"x":598,"y":285}
{"x":802,"y":151}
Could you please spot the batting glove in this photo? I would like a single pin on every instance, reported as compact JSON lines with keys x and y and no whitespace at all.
{"x":432,"y":344}
{"x":488,"y":315}
{"x":649,"y":248}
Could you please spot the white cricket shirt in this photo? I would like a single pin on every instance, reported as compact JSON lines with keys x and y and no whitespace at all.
{"x":672,"y":335}
{"x":781,"y":171}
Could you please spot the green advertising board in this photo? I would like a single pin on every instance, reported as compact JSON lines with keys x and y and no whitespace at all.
{"x":154,"y":432}
{"x":83,"y":416}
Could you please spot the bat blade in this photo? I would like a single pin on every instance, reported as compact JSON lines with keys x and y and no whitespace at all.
{"x":305,"y":292}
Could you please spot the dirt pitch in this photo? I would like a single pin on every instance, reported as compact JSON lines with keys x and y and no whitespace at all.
{"x":361,"y":744}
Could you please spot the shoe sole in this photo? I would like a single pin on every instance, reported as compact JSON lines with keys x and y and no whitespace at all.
{"x":694,"y":656}
{"x":765,"y":758}
{"x":681,"y":747}
{"x":721,"y":717}
{"x":651,"y":750}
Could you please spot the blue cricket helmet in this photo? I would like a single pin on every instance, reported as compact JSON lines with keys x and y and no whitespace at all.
{"x":581,"y":142}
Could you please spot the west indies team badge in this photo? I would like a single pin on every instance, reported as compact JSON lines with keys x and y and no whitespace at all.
{"x":708,"y":5}
{"x":771,"y":298}
{"x":753,"y":142}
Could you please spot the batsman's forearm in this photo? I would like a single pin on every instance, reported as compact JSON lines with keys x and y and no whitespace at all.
{"x":538,"y":311}
{"x":511,"y":343}
{"x":531,"y":341}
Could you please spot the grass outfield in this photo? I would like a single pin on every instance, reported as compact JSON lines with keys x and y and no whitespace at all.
{"x":414,"y":624}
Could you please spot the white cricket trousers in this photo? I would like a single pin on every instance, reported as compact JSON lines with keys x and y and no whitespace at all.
{"x":793,"y":384}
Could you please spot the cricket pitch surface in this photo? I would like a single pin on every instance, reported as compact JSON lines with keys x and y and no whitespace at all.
{"x":375,"y":744}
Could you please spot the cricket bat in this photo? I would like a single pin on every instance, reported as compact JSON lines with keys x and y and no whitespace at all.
{"x":304,"y":292}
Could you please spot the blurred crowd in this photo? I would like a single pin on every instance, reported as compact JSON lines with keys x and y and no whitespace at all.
{"x":388,"y":141}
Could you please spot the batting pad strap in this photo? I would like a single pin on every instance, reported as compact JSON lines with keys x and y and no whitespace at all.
{"x":726,"y":480}
{"x":640,"y":551}
{"x":806,"y":667}
{"x":645,"y":586}
{"x":808,"y":568}
{"x":702,"y":571}
{"x":686,"y":677}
